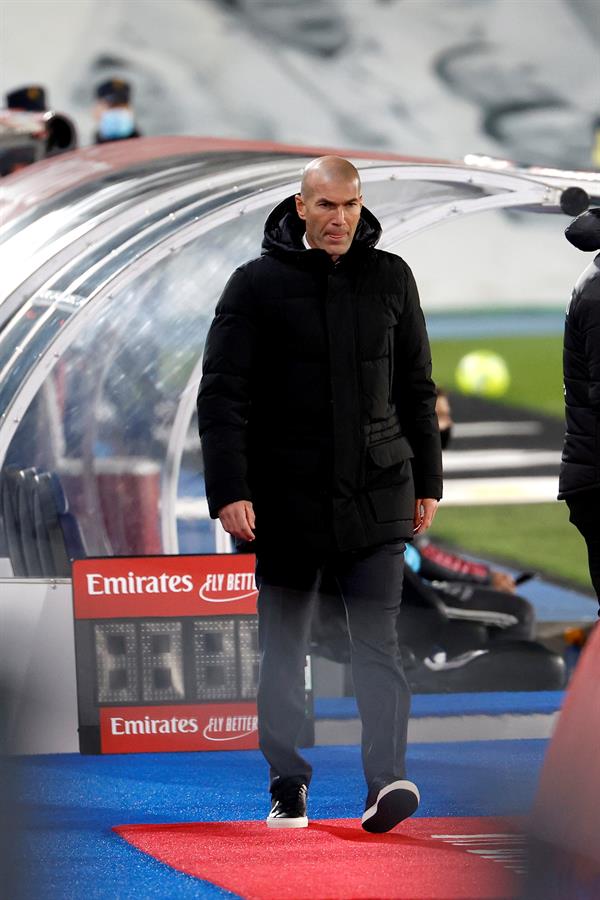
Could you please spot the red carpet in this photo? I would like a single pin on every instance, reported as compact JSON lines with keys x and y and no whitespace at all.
{"x":424,"y":859}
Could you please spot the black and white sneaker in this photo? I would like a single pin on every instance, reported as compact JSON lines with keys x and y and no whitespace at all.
{"x":289,"y":805}
{"x":387,"y":806}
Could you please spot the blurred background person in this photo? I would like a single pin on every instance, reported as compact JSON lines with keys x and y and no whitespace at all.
{"x":114,"y":113}
{"x":31,"y":98}
{"x":29,"y":131}
{"x":19,"y":146}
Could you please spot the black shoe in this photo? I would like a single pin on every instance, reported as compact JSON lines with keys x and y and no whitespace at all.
{"x":289,"y":805}
{"x":389,"y":805}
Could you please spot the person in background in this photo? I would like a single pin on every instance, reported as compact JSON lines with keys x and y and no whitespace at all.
{"x":316,"y":412}
{"x":114,"y":112}
{"x":439,"y":563}
{"x":29,"y":131}
{"x":468,"y":596}
{"x":579,"y":479}
{"x":17,"y":154}
{"x":31,"y":98}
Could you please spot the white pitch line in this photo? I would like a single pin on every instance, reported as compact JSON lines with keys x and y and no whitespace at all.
{"x":486,"y":836}
{"x":481,"y":838}
{"x":493,"y":429}
{"x":499,"y":491}
{"x":509,"y":458}
{"x":509,"y":857}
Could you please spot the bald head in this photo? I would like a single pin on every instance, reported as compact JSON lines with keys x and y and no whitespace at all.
{"x":330,"y":203}
{"x":325,"y":170}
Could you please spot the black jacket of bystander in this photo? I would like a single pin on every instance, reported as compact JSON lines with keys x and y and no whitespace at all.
{"x":580,"y":465}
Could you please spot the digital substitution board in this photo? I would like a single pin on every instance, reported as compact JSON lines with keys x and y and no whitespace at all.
{"x":167,"y":653}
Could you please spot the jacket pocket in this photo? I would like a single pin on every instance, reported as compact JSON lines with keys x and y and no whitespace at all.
{"x":390,"y":453}
{"x":393,"y":504}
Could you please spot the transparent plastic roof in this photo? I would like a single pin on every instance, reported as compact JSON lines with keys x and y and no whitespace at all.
{"x":109,"y":285}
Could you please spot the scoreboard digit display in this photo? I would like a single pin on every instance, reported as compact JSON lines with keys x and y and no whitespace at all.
{"x":167,"y":653}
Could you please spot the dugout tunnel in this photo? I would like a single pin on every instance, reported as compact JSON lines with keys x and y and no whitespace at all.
{"x":112,"y":260}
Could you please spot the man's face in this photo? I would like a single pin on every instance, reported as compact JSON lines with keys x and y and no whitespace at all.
{"x":331,"y":211}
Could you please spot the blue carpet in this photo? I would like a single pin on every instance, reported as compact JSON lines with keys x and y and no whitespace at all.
{"x":69,"y":804}
{"x":482,"y":704}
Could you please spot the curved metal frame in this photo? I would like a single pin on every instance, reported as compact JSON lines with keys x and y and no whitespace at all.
{"x":81,"y":237}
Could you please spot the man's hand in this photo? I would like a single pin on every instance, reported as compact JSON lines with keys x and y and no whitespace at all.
{"x":238,"y":519}
{"x":502,"y":581}
{"x":425,"y":510}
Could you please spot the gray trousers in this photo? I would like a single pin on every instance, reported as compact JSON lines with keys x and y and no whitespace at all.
{"x":370,"y":583}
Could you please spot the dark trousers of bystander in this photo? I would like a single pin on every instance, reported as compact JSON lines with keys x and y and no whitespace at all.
{"x":370,"y":583}
{"x":584,"y":513}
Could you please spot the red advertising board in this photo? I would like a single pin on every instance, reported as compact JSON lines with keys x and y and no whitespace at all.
{"x":167,"y":653}
{"x":212,"y":585}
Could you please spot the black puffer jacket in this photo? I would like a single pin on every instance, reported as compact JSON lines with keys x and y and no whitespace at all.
{"x":580,"y":466}
{"x":316,"y":400}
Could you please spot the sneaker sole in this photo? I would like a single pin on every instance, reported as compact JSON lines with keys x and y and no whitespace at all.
{"x":298,"y":822}
{"x":395,"y":802}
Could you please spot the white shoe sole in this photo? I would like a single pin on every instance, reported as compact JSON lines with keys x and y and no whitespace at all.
{"x":395,"y":802}
{"x":281,"y":822}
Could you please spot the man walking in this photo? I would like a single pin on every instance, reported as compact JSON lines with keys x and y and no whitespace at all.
{"x":320,"y":441}
{"x":579,"y":482}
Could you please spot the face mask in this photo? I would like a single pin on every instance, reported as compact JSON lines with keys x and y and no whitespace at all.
{"x":116,"y":123}
{"x":445,"y":435}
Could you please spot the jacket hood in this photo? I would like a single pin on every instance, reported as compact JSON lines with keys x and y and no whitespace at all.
{"x":584,"y":231}
{"x":284,"y":229}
